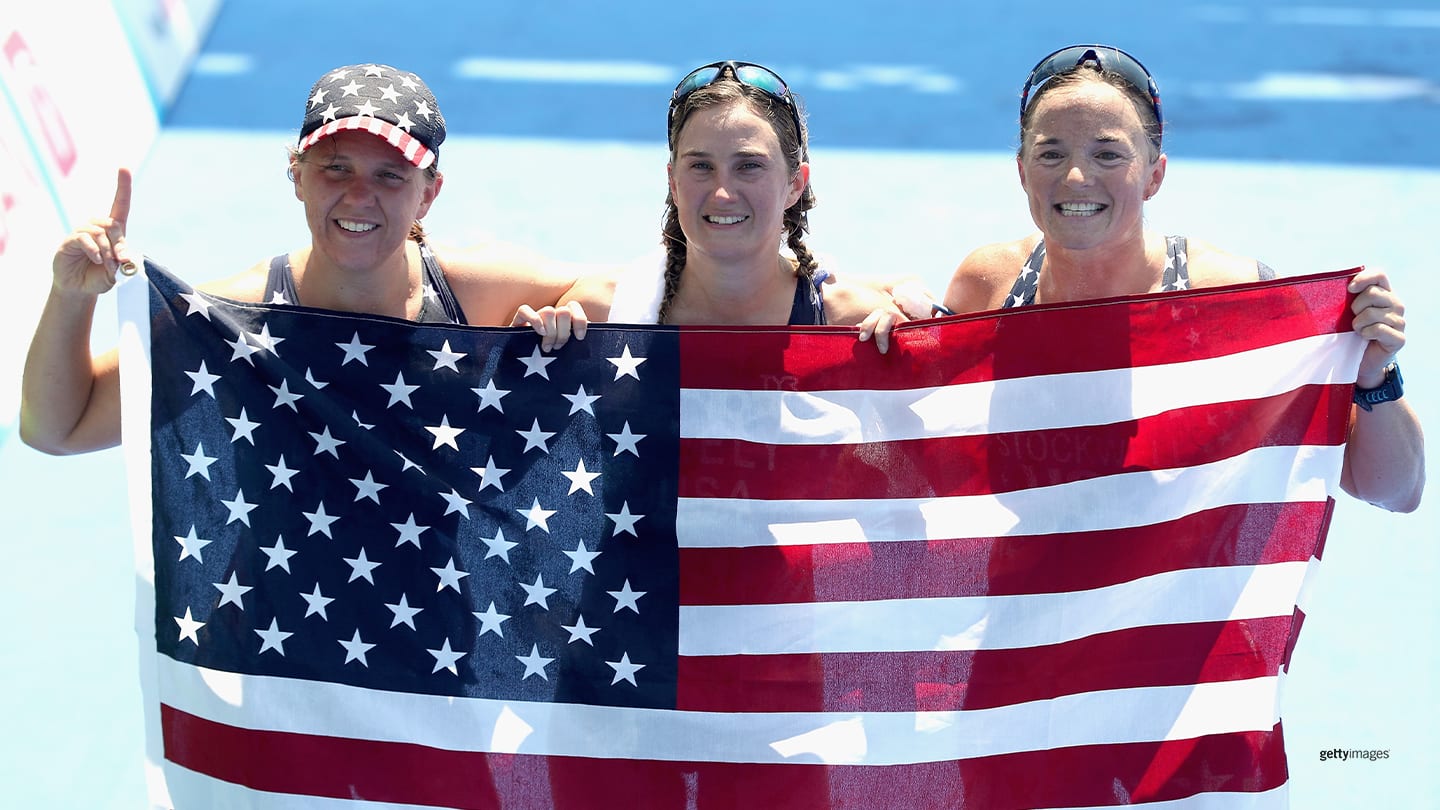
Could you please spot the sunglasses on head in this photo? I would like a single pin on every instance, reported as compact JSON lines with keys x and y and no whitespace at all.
{"x":747,"y":73}
{"x":1108,"y":59}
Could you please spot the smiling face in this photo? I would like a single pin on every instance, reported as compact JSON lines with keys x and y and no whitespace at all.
{"x":1087,"y":166}
{"x":361,"y":196}
{"x":731,"y":184}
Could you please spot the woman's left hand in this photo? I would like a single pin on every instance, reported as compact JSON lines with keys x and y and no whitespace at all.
{"x":878,"y":325}
{"x":1380,"y":319}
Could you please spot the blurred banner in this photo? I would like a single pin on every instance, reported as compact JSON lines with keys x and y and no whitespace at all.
{"x":84,"y":86}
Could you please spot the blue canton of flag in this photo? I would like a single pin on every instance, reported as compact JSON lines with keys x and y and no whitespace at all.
{"x":428,"y":509}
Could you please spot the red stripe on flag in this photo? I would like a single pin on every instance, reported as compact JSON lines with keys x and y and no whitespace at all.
{"x":1096,"y":775}
{"x":951,"y":680}
{"x":1006,"y":462}
{"x":1054,"y":563}
{"x":1098,"y":335}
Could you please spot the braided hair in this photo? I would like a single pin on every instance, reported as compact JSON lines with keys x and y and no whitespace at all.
{"x":792,"y":144}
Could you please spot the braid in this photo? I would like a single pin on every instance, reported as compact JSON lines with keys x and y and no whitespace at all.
{"x":675,"y":248}
{"x":796,"y":225}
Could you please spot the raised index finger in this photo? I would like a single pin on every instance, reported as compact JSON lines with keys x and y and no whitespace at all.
{"x":120,"y":207}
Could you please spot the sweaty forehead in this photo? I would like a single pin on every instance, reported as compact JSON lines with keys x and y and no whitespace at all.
{"x":731,"y":126}
{"x":1088,"y":106}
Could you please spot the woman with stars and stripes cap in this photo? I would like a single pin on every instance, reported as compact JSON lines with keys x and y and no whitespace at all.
{"x":366,"y":169}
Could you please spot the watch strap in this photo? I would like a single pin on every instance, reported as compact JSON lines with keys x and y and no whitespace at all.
{"x":1390,"y":390}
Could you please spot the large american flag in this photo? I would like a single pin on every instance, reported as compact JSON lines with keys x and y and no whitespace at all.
{"x":1035,"y":559}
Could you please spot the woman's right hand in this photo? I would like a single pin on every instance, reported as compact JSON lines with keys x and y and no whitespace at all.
{"x":87,"y":260}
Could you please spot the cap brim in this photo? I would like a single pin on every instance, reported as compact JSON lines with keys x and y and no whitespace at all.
{"x":413,"y":150}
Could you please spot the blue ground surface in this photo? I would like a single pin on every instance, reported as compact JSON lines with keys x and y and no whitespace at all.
{"x":1298,"y":133}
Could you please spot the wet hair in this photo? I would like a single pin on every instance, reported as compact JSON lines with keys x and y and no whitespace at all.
{"x":417,"y":231}
{"x":1087,"y":72}
{"x":793,"y":144}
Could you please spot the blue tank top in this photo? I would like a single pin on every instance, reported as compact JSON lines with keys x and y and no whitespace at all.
{"x":438,"y":303}
{"x":809,"y":306}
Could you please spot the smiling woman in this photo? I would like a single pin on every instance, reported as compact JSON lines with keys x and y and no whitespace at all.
{"x":739,"y":188}
{"x":366,"y":169}
{"x":1090,"y":157}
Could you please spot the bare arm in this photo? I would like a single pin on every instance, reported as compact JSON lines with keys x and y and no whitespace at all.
{"x":985,"y":277}
{"x":1385,"y":457}
{"x":69,"y":401}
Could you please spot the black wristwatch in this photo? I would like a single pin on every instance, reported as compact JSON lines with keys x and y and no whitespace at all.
{"x":1392,"y":389}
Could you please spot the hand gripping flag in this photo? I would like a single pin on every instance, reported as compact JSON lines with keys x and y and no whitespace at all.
{"x":1048,"y":557}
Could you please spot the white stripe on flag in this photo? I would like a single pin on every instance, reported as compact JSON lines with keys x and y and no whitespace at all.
{"x":191,"y":789}
{"x":992,"y":622}
{"x":1002,"y":406}
{"x":1282,"y":474}
{"x":860,"y":738}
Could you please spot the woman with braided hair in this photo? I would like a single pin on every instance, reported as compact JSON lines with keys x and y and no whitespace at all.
{"x":739,"y":185}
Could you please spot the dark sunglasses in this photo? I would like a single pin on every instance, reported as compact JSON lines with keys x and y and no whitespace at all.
{"x":748,"y":73}
{"x":1111,"y":60}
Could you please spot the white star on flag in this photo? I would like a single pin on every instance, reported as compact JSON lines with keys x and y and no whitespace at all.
{"x":404,"y":614}
{"x":626,"y":441}
{"x":273,"y":638}
{"x":399,"y":391}
{"x":534,"y":663}
{"x":624,"y":521}
{"x":490,"y":396}
{"x":490,"y":475}
{"x":536,"y":516}
{"x":355,"y":649}
{"x":361,"y":568}
{"x":198,"y":463}
{"x":204,"y":380}
{"x":231,"y":591}
{"x":189,"y":628}
{"x":445,"y":357}
{"x":409,"y":531}
{"x":490,"y":620}
{"x":626,"y":365}
{"x":581,"y":401}
{"x":278,"y":556}
{"x":536,"y":363}
{"x":580,"y":478}
{"x":537,"y":594}
{"x":624,"y":670}
{"x":444,"y":434}
{"x":316,"y":602}
{"x":355,"y":350}
{"x":445,"y":658}
{"x":190,"y":546}
{"x":320,"y":521}
{"x":626,"y":597}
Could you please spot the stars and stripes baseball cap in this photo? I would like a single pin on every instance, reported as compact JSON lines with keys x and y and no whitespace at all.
{"x":387,"y":102}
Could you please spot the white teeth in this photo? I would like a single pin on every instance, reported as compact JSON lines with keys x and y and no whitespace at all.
{"x":725,"y":220}
{"x":1079,"y":209}
{"x":355,"y":227}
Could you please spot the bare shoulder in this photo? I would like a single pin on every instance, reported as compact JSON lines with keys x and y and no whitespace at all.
{"x":595,"y":292}
{"x":247,"y":285}
{"x":1209,"y":266}
{"x":987,"y":274}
